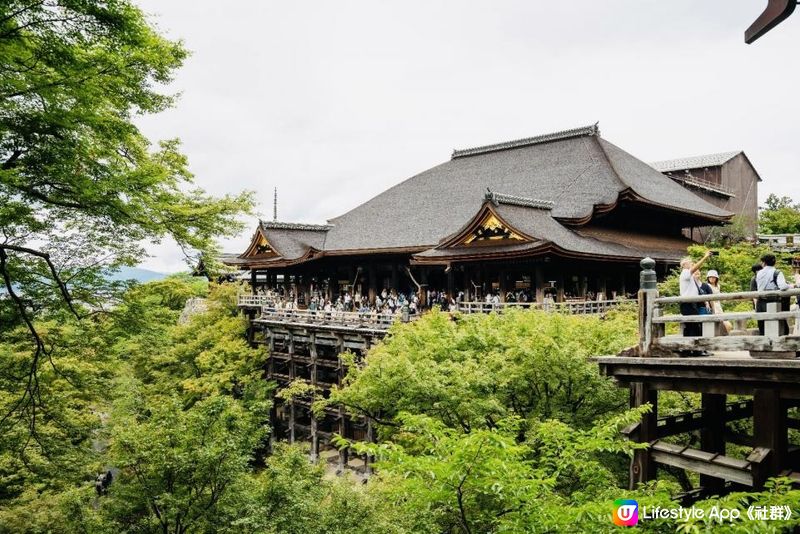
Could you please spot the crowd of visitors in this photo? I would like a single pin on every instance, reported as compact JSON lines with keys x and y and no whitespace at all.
{"x":391,"y":301}
{"x":766,"y":277}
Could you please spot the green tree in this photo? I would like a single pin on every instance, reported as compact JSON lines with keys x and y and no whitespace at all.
{"x":177,"y":465}
{"x":475,"y":370}
{"x":780,"y":216}
{"x":80,"y":187}
{"x":487,"y":480}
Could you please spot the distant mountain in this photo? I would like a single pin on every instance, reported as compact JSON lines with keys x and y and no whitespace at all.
{"x":135,"y":273}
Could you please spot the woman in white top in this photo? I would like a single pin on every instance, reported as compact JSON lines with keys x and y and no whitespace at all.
{"x":712,"y":277}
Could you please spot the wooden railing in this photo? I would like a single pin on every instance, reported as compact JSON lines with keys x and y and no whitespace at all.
{"x":572,"y":307}
{"x":254,"y":301}
{"x":713,"y":336}
{"x":569,"y":307}
{"x":380,"y":321}
{"x":780,"y":242}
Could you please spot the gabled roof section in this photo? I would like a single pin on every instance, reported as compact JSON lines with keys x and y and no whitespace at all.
{"x":487,"y":227}
{"x":528,"y":141}
{"x":546,"y":235}
{"x":259,"y":247}
{"x":275,"y":241}
{"x":695,"y":162}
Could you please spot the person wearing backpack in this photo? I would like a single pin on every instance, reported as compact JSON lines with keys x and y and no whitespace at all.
{"x":771,"y":279}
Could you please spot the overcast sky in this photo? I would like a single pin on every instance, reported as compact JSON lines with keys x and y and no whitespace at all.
{"x":333,"y":102}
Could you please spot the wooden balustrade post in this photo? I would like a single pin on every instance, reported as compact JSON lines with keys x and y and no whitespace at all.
{"x":772,"y":328}
{"x":648,"y":292}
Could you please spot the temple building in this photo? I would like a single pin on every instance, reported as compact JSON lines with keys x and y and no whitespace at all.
{"x":728,"y":180}
{"x":567,"y":214}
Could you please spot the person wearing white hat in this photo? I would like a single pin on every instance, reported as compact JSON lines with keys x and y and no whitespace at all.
{"x":712,"y":277}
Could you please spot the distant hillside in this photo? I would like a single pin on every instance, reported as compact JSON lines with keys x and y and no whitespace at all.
{"x":135,"y":273}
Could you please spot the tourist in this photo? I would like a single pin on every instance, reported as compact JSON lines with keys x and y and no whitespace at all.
{"x":712,"y":277}
{"x":690,"y":288}
{"x":753,"y":283}
{"x":771,"y":279}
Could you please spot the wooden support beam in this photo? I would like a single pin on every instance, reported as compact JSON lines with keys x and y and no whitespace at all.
{"x":343,"y":453}
{"x":769,"y":432}
{"x":712,"y":437}
{"x":671,"y":425}
{"x":643,"y":468}
{"x":713,"y":465}
{"x":312,"y":346}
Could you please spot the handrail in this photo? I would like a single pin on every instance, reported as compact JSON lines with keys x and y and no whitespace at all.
{"x":254,"y":300}
{"x":334,"y":317}
{"x":707,"y":331}
{"x":742,"y":295}
{"x":576,"y":307}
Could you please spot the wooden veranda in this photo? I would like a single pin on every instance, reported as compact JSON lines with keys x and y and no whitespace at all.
{"x":762,"y":371}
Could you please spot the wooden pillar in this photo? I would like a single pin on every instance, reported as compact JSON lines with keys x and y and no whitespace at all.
{"x":370,"y":439}
{"x":643,"y":468}
{"x":560,"y":282}
{"x":343,"y":453}
{"x":769,"y":432}
{"x":373,"y":283}
{"x":503,"y":280}
{"x":286,"y":286}
{"x":451,"y":282}
{"x":538,"y":280}
{"x":423,"y":276}
{"x":480,"y":294}
{"x":312,"y":343}
{"x":292,"y":374}
{"x":712,"y":436}
{"x":306,"y":289}
{"x":270,"y":359}
{"x":601,"y":287}
{"x":394,"y":277}
{"x":253,"y":280}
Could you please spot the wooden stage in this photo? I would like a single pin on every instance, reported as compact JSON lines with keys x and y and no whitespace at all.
{"x":772,"y":384}
{"x":761,"y":369}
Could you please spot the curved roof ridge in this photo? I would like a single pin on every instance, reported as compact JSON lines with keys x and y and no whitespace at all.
{"x":516,"y":200}
{"x":593,"y":130}
{"x":277,"y":225}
